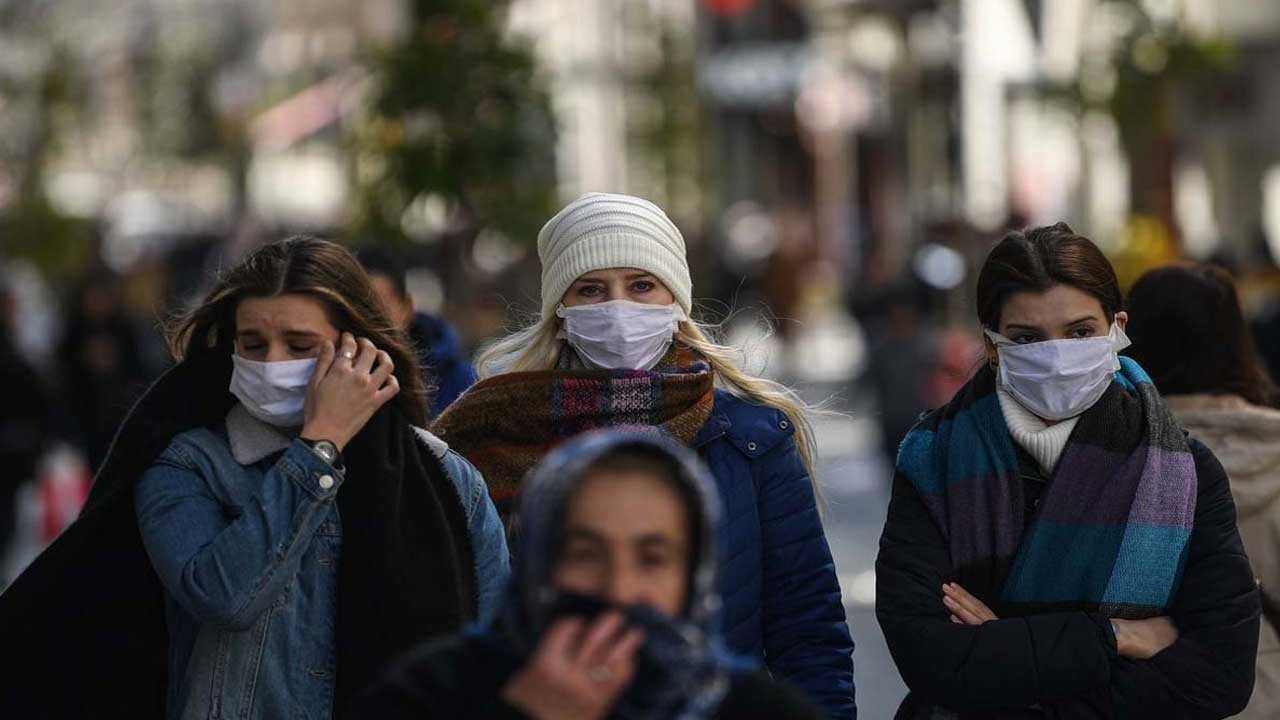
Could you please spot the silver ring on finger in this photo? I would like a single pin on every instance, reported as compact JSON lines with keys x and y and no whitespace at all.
{"x":600,"y":674}
{"x":348,"y":354}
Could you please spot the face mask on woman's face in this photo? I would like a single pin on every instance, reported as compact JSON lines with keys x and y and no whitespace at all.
{"x":273,"y":392}
{"x":1058,"y":379}
{"x":620,"y":334}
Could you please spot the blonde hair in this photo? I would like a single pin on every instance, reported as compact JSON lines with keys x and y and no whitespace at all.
{"x":537,"y":347}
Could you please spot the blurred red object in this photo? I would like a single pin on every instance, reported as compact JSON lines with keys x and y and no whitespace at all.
{"x":64,"y":486}
{"x":729,"y":8}
{"x":959,"y":355}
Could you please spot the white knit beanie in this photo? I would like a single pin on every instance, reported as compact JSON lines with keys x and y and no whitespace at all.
{"x":599,"y":231}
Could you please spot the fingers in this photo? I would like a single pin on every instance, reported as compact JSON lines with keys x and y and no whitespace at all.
{"x":599,"y":640}
{"x":965,"y":615}
{"x":625,"y":649}
{"x":387,"y":391}
{"x":965,"y":606}
{"x":365,"y":356}
{"x":347,"y":349}
{"x":620,"y":661}
{"x":560,"y":638}
{"x":383,"y":369}
{"x":323,"y":361}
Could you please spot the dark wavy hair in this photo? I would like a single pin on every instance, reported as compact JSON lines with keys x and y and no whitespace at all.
{"x":1035,"y":260}
{"x":1190,"y":336}
{"x":308,"y":266}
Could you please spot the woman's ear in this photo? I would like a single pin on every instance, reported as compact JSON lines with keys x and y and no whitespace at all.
{"x":1122,"y":319}
{"x":993,"y":357}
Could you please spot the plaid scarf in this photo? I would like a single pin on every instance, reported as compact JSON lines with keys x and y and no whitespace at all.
{"x":1111,"y":532}
{"x":506,"y":423}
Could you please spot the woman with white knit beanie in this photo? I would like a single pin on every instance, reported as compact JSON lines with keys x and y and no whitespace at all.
{"x":616,"y":344}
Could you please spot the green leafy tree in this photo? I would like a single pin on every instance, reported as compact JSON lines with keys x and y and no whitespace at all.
{"x":458,"y":117}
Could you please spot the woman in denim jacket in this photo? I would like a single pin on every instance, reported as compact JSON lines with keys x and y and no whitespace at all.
{"x":304,"y":530}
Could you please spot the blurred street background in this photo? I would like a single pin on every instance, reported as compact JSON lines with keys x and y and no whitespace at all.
{"x":839,"y":169}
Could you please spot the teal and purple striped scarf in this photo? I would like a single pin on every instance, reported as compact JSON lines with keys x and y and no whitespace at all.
{"x":1112,"y":528}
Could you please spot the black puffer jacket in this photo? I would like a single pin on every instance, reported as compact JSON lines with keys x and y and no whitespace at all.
{"x":1063,"y":665}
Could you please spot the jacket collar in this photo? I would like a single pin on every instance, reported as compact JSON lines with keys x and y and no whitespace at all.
{"x":251,"y":439}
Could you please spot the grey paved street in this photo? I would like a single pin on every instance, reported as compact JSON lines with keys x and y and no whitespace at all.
{"x":855,"y":486}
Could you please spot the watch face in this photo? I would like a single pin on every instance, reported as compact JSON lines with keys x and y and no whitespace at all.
{"x":326,"y":450}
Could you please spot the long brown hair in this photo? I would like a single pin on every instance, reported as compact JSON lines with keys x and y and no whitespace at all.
{"x":1190,"y":336}
{"x":309,"y":266}
{"x":1037,"y":259}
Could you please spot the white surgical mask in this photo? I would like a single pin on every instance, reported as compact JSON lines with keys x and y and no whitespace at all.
{"x":273,"y":392}
{"x":620,"y":334}
{"x":1059,"y":379}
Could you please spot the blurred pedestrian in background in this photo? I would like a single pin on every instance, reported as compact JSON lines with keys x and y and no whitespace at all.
{"x":613,"y":608}
{"x":616,"y":345}
{"x":902,"y":362}
{"x":1190,"y":335}
{"x":102,"y":372}
{"x":1055,"y":546}
{"x":300,"y":531}
{"x":444,"y":364}
{"x":24,"y":425}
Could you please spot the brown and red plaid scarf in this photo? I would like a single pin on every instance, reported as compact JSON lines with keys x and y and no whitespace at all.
{"x":506,"y":423}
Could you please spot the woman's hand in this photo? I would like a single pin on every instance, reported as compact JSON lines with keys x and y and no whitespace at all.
{"x":1144,"y":639}
{"x":965,"y":608}
{"x":1135,"y":639}
{"x":348,"y":386}
{"x":577,"y":672}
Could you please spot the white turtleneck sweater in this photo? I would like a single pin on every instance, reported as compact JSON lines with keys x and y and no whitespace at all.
{"x":1043,"y":441}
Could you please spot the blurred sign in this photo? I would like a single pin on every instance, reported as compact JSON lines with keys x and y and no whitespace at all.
{"x":756,"y":76}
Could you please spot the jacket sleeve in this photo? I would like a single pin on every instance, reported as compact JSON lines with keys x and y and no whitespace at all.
{"x":806,"y":638}
{"x":226,"y":565}
{"x":488,"y":538}
{"x":1209,"y":671}
{"x":1005,"y":664}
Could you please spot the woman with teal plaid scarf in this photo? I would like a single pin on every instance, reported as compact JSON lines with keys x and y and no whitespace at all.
{"x":1056,"y":546}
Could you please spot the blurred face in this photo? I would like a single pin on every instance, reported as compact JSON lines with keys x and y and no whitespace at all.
{"x":399,"y":307}
{"x":631,"y":284}
{"x":1062,"y":312}
{"x":284,"y":327}
{"x":626,"y":540}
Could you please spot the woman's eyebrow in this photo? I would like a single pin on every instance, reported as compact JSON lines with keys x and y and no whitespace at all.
{"x":1087,"y":318}
{"x":583,"y":534}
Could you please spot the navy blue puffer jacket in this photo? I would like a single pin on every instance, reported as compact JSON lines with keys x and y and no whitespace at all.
{"x":777,"y":579}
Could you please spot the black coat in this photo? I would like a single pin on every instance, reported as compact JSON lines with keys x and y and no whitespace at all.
{"x":82,"y":631}
{"x":1064,"y":664}
{"x":463,"y":677}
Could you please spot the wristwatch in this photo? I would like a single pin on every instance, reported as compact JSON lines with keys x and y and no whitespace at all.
{"x":326,"y":450}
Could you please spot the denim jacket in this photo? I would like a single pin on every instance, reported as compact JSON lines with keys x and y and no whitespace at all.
{"x":244,"y":534}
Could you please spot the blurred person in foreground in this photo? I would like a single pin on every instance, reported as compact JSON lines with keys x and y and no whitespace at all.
{"x":439,"y":350}
{"x":612,"y":610}
{"x":272,"y":525}
{"x":616,"y":344}
{"x":1189,"y":334}
{"x":24,"y":424}
{"x":1055,"y":546}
